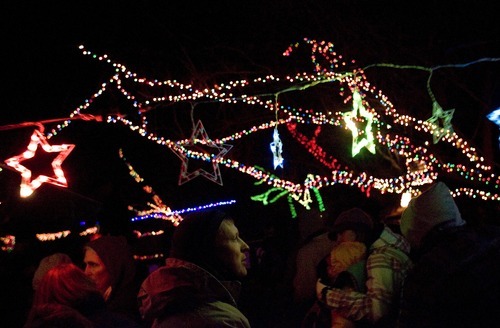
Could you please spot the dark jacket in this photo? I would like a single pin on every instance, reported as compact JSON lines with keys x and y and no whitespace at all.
{"x":116,"y":255}
{"x":89,"y":312}
{"x":456,"y":279}
{"x":182,"y":294}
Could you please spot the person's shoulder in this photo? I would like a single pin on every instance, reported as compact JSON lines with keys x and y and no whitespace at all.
{"x":389,"y":255}
{"x":319,"y":242}
{"x":222,"y":312}
{"x":485,"y":234}
{"x":209,"y":314}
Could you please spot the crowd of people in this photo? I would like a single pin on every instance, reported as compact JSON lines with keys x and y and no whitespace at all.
{"x":432,"y":269}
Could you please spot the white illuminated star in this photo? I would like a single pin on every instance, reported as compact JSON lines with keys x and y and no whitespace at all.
{"x":277,"y":148}
{"x":200,"y":137}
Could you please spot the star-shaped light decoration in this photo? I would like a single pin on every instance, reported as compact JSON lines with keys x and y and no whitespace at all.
{"x":28,"y":185}
{"x":440,"y":116}
{"x":277,"y":148}
{"x":360,"y":138}
{"x":182,"y":150}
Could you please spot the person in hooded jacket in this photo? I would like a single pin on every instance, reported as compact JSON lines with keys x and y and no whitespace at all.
{"x":314,"y":246}
{"x":387,"y":265}
{"x":109,"y":262}
{"x":66,"y":297}
{"x":200,"y":282}
{"x":456,"y":278}
{"x":343,"y":266}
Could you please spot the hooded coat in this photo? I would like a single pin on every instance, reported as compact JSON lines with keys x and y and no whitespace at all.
{"x":434,"y":207}
{"x":192,"y":289}
{"x":456,"y":278}
{"x":116,"y":255}
{"x":182,"y":294}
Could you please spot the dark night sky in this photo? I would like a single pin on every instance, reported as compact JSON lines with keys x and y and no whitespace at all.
{"x":45,"y":75}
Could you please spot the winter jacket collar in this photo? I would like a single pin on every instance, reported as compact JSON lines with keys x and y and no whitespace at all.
{"x":181,"y":285}
{"x":389,"y":238}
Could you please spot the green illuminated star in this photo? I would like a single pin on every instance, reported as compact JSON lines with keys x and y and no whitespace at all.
{"x":440,"y":116}
{"x":360,"y":138}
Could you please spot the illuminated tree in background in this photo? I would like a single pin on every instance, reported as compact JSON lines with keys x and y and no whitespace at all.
{"x":351,"y":131}
{"x":417,"y":150}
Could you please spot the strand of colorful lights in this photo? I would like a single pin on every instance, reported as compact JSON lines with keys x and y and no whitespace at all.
{"x":349,"y":80}
{"x":164,"y":216}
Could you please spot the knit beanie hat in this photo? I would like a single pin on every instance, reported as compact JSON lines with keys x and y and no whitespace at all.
{"x":48,"y":263}
{"x":432,"y":207}
{"x":353,"y":219}
{"x":193,"y":240}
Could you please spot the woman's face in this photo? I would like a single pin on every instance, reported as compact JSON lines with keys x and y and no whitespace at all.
{"x":231,"y":250}
{"x":96,"y":270}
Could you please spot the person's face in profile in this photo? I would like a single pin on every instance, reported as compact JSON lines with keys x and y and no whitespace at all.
{"x":231,"y":249}
{"x":96,"y":270}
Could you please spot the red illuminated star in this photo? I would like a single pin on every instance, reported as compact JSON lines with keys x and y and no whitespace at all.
{"x":183,"y":151}
{"x":29,"y":185}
